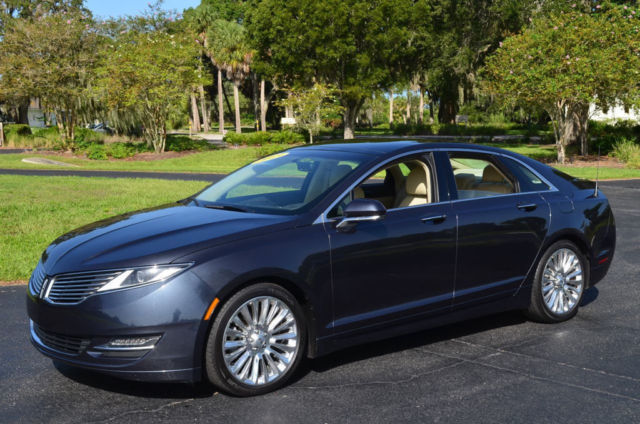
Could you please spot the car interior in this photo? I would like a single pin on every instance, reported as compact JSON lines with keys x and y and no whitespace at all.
{"x":402,"y":184}
{"x":479,"y":178}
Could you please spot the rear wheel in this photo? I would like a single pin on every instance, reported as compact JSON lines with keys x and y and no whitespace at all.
{"x":256,"y":341}
{"x":560,"y":280}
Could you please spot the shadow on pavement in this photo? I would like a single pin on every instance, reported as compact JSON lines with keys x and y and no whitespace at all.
{"x":337,"y":359}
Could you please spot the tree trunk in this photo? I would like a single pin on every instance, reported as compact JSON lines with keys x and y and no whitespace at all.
{"x":195,"y":116}
{"x":449,"y":103}
{"x":255,"y":91}
{"x":220,"y":104}
{"x":310,"y":137}
{"x":203,"y":108}
{"x":581,"y":121}
{"x":351,"y":108}
{"x":421,"y":107}
{"x":390,"y":107}
{"x":236,"y":104}
{"x":23,"y":112}
{"x":1,"y":134}
{"x":408,"y":107}
{"x":431,"y":114}
{"x":263,"y":107}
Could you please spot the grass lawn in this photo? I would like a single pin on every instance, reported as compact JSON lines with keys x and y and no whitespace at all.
{"x":36,"y":210}
{"x":214,"y":161}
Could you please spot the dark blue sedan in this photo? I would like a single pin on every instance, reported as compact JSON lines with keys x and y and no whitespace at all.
{"x":315,"y":249}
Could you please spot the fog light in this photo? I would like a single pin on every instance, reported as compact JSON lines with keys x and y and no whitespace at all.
{"x":130,"y":343}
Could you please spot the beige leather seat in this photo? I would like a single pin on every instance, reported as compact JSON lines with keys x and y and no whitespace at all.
{"x":493,"y":180}
{"x":418,"y":188}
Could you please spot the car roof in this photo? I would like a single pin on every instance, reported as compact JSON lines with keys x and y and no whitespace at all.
{"x":383,"y":148}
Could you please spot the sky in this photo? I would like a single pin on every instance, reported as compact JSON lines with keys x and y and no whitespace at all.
{"x":116,"y":8}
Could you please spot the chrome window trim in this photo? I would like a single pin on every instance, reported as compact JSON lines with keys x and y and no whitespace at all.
{"x":552,"y":188}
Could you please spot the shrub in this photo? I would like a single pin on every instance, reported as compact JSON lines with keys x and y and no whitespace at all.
{"x":626,"y":150}
{"x":178,"y":143}
{"x":286,"y":137}
{"x":268,"y":149}
{"x":12,"y":130}
{"x":120,"y":150}
{"x":261,"y":138}
{"x":97,"y":152}
{"x":88,"y":136}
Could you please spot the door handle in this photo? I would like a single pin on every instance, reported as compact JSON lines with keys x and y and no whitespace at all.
{"x":526,"y":206}
{"x":435,"y":219}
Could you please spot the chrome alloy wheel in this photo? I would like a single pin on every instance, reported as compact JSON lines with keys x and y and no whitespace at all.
{"x":260,"y":341}
{"x":562,"y":281}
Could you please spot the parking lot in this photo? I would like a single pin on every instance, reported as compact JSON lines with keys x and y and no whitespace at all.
{"x":496,"y":369}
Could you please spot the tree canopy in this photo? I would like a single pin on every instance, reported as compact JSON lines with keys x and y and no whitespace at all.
{"x":566,"y":61}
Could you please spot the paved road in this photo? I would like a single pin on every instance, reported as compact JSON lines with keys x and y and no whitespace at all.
{"x":496,"y":369}
{"x":114,"y":174}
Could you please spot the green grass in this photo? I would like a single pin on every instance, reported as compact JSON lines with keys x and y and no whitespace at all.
{"x":215,"y":161}
{"x":604,"y":173}
{"x":36,"y":210}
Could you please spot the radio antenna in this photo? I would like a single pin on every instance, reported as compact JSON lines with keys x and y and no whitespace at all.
{"x":595,"y":193}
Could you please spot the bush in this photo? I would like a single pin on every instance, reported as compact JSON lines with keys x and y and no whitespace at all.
{"x":626,"y":150}
{"x":120,"y":150}
{"x":13,"y":130}
{"x":180,"y":143}
{"x":85,"y":135}
{"x":97,"y":152}
{"x":261,"y":138}
{"x":605,"y":135}
{"x":269,"y":149}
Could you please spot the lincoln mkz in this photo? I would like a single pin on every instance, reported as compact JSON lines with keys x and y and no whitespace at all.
{"x":315,"y":249}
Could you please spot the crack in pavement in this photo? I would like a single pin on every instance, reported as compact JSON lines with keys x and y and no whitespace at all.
{"x":565,"y":364}
{"x":531,"y":376}
{"x":143,"y":411}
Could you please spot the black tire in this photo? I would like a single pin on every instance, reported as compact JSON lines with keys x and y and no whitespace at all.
{"x":538,"y":309}
{"x":216,"y":369}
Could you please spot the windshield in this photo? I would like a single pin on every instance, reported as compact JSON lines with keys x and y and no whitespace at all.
{"x":285,"y":183}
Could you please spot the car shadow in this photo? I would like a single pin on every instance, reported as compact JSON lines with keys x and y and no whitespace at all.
{"x":589,"y":296}
{"x":319,"y":365}
{"x":412,"y":341}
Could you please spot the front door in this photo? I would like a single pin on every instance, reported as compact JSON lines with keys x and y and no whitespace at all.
{"x":399,"y":267}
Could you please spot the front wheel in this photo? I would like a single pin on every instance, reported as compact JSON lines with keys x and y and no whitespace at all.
{"x":560,"y":280}
{"x":256,"y":341}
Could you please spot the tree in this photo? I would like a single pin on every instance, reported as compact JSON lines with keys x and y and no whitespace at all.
{"x":50,"y":57}
{"x":567,"y":61}
{"x":311,"y":105}
{"x":229,"y":51}
{"x":451,"y":40}
{"x":354,"y":45}
{"x":151,"y":73}
{"x":201,"y":20}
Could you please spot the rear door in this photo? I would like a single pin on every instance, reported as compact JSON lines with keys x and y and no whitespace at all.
{"x":501,"y":227}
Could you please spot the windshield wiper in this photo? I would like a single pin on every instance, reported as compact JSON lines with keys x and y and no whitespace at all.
{"x":226,"y":208}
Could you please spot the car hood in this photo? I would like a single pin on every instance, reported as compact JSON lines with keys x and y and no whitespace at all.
{"x":153,"y":236}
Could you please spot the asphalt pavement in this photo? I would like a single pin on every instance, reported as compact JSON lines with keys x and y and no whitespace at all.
{"x":496,"y":369}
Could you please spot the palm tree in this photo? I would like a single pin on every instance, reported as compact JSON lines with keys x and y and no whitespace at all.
{"x":229,"y":51}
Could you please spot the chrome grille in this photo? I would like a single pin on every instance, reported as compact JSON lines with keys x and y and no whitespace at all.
{"x":37,"y":278}
{"x":75,"y":287}
{"x":61,"y":343}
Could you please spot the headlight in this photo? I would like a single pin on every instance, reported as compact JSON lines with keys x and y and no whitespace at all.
{"x":142,"y":276}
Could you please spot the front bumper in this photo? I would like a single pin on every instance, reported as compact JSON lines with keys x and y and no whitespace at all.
{"x":77,"y":334}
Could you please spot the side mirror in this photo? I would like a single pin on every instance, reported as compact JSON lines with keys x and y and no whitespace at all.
{"x":361,"y":210}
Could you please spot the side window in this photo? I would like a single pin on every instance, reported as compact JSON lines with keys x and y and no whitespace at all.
{"x":477,"y":176}
{"x":400,"y":184}
{"x":527,"y":179}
